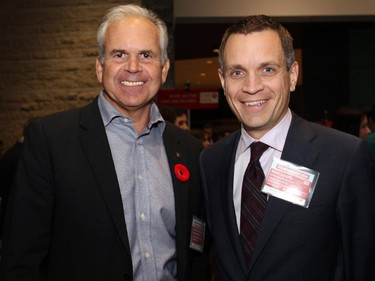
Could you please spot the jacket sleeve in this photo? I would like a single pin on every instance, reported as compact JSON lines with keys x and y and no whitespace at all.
{"x":29,"y":214}
{"x":356,"y":215}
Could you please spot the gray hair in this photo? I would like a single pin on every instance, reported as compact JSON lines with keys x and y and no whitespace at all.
{"x":259,"y":23}
{"x":122,"y":11}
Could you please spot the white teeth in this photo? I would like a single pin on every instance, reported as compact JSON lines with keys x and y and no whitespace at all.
{"x":249,"y":103}
{"x":132,"y":83}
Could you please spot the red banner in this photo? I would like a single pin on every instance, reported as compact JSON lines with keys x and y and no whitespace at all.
{"x":189,"y":99}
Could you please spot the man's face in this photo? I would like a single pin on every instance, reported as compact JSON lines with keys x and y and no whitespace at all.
{"x":132,"y":72}
{"x":256,"y":82}
{"x":182,"y":122}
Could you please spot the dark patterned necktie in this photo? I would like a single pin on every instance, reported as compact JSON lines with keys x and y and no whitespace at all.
{"x":253,"y":201}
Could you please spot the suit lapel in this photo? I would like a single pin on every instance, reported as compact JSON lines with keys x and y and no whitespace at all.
{"x":95,"y":143}
{"x":298,"y":150}
{"x":226,"y":189}
{"x":176,"y":155}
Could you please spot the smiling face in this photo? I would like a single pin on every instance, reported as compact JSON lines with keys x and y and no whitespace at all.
{"x":132,"y":71}
{"x":255,"y":80}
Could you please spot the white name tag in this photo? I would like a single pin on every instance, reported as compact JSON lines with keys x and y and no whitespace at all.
{"x":290,"y":182}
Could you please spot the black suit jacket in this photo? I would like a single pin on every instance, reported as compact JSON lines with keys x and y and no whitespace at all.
{"x":333,"y":239}
{"x":8,"y":167}
{"x":65,"y":220}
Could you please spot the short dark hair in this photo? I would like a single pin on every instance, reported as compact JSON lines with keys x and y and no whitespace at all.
{"x":179,"y":111}
{"x":259,"y":23}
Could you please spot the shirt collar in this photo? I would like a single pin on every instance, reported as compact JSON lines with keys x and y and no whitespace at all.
{"x":275,"y":138}
{"x":109,"y":113}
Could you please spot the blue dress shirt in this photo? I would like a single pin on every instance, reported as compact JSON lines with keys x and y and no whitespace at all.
{"x":147,"y":193}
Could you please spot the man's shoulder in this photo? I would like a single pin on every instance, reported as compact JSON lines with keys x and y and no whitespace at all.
{"x":67,"y":122}
{"x":226,"y":145}
{"x":317,"y":131}
{"x":172,"y":130}
{"x":68,"y":115}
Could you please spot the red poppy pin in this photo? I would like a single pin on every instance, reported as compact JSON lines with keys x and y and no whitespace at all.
{"x":181,"y":172}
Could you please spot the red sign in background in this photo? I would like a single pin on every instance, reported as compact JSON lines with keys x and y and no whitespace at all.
{"x":189,"y":99}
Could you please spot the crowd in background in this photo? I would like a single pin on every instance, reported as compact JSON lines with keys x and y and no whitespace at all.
{"x":358,"y":123}
{"x":208,"y":133}
{"x":346,"y":119}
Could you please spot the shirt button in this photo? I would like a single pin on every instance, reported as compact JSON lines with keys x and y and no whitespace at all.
{"x":142,"y":216}
{"x":147,"y":255}
{"x":140,"y":177}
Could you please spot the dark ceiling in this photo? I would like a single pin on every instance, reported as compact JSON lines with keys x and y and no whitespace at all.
{"x":197,"y":38}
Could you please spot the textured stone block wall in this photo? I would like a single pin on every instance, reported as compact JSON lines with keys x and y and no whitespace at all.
{"x":48,"y":51}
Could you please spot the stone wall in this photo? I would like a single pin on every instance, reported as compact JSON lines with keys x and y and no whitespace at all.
{"x":48,"y":51}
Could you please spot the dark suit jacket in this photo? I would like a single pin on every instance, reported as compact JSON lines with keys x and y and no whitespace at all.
{"x":66,"y":219}
{"x":8,"y":167}
{"x":333,"y":239}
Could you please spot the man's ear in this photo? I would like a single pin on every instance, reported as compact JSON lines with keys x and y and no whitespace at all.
{"x":99,"y":70}
{"x":293,"y":74}
{"x":164,"y":71}
{"x":221,"y":77}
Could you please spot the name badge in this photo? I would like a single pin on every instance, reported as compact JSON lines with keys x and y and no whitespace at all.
{"x":290,"y":182}
{"x":198,"y":229}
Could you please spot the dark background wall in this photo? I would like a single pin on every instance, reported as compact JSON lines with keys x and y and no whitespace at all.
{"x":338,"y":67}
{"x":362,"y":66}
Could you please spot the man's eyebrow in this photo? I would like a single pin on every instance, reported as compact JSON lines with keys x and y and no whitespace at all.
{"x":146,"y":51}
{"x":233,"y":66}
{"x":115,"y":51}
{"x":262,"y":65}
{"x":269,"y":63}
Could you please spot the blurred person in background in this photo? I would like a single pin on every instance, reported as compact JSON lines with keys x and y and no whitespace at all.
{"x":2,"y":148}
{"x":352,"y":121}
{"x":371,"y":138}
{"x":181,"y":119}
{"x":176,"y":115}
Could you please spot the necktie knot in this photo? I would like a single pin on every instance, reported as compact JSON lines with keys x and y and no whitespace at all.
{"x":257,"y":149}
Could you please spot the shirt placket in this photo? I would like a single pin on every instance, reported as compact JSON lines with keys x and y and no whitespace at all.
{"x":143,"y":213}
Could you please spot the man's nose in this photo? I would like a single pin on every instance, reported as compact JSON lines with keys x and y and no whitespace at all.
{"x":132,"y":64}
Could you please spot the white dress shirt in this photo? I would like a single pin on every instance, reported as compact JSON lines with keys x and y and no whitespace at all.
{"x":275,"y":138}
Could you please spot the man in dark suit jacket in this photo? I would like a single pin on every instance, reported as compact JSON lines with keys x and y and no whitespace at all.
{"x":330,"y":238}
{"x":70,"y":215}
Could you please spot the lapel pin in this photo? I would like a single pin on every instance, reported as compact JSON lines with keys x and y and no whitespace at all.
{"x":181,"y":172}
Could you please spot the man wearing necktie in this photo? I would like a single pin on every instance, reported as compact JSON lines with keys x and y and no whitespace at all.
{"x":264,"y":236}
